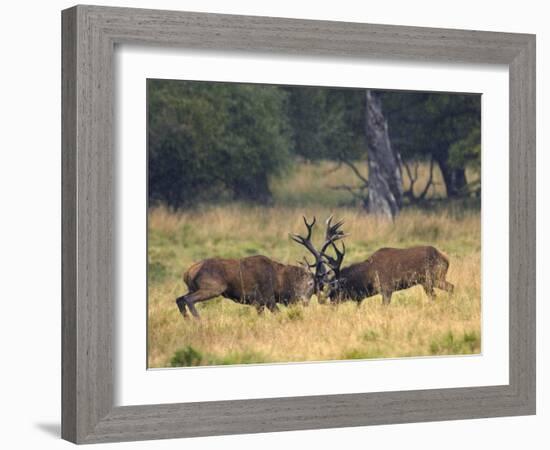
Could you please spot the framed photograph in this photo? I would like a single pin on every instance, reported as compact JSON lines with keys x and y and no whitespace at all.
{"x":277,"y":224}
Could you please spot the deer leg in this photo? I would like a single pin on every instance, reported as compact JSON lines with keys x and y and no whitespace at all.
{"x":180,"y":301}
{"x":445,"y":286}
{"x":199,"y":296}
{"x":272,"y":306}
{"x":428,"y":288}
{"x":386,"y":297}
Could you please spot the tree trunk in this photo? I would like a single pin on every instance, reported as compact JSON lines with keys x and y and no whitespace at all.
{"x":385,"y":194}
{"x":454,"y":179}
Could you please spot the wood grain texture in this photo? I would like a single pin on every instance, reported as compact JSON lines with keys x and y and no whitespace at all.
{"x":523,"y":224}
{"x":68,"y":225}
{"x":89,"y":36}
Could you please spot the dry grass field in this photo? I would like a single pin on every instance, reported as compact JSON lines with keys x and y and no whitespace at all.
{"x":230,"y":333}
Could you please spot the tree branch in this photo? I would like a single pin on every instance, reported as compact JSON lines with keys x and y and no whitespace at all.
{"x":333,"y":169}
{"x":352,"y":190}
{"x":354,"y":169}
{"x":412,"y":179}
{"x":430,"y":180}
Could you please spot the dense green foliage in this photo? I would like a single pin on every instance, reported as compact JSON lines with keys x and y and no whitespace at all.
{"x":424,"y":124}
{"x":445,"y":127}
{"x":210,"y":141}
{"x":327,"y":123}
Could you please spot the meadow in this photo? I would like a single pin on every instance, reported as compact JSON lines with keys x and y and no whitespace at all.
{"x":230,"y":333}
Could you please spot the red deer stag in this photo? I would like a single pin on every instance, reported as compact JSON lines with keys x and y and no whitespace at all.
{"x":254,"y":280}
{"x":388,"y":270}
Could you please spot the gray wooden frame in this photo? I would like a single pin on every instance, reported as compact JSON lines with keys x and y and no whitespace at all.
{"x":89,"y":36}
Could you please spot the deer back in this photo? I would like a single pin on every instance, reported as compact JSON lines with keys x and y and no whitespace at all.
{"x":412,"y":264}
{"x":393,"y":268}
{"x":251,"y":279}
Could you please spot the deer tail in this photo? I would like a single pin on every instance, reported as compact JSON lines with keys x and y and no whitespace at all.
{"x":186,"y":277}
{"x":191,"y":273}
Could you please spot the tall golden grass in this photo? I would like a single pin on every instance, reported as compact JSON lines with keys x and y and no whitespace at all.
{"x":230,"y":333}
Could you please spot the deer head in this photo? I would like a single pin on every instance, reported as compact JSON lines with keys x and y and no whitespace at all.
{"x":335,"y":265}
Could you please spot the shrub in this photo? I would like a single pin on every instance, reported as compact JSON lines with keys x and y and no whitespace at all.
{"x":449,"y":344}
{"x":361,"y":353}
{"x":187,"y":356}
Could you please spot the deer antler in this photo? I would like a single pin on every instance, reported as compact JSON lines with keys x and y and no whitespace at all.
{"x":306,"y":263}
{"x":306,"y":241}
{"x":336,"y":263}
{"x":334,"y":233}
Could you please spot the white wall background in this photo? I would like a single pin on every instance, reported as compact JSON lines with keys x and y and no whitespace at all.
{"x":30,"y":237}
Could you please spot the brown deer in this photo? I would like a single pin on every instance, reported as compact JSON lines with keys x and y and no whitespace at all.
{"x":388,"y":270}
{"x":254,"y":280}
